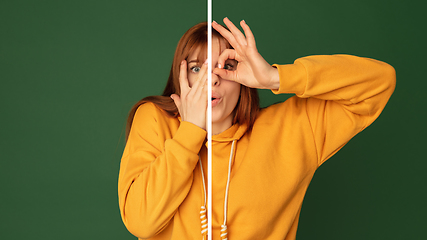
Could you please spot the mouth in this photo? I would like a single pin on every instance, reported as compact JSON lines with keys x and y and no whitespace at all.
{"x":215,"y":101}
{"x":216,"y":98}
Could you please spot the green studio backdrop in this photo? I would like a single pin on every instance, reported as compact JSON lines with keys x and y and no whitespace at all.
{"x":71,"y":70}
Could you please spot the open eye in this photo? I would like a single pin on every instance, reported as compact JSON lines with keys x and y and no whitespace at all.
{"x":230,"y":65}
{"x":195,"y":69}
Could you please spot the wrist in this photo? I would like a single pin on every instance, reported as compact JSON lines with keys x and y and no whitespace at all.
{"x":274,"y":78}
{"x":199,"y":123}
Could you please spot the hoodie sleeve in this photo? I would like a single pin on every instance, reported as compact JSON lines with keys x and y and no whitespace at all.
{"x":156,"y":170}
{"x":343,"y":95}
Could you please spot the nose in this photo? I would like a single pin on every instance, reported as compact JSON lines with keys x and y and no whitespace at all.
{"x":215,"y":80}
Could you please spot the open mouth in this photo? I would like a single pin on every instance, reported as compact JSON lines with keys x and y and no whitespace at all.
{"x":215,"y":101}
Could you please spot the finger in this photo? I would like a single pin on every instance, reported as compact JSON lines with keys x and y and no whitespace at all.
{"x":202,"y":71}
{"x":226,"y":54}
{"x":183,"y":80}
{"x":201,"y":92}
{"x":199,"y":86}
{"x":225,"y":74}
{"x":225,"y":33}
{"x":249,"y":35}
{"x":238,"y":35}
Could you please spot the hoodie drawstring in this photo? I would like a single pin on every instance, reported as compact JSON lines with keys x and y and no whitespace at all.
{"x":203,"y":218}
{"x":224,"y":231}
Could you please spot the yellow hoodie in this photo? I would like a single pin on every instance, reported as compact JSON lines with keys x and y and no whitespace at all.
{"x":160,"y":181}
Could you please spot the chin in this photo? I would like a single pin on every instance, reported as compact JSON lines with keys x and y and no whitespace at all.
{"x":215,"y":120}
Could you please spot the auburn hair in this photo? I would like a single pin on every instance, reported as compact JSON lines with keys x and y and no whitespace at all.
{"x":247,"y":107}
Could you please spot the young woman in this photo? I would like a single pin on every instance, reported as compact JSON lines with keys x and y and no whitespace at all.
{"x":263,"y":160}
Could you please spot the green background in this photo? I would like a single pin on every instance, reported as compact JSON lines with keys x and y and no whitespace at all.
{"x":71,"y":70}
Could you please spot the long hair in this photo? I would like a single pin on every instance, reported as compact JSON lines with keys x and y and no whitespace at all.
{"x":247,"y":107}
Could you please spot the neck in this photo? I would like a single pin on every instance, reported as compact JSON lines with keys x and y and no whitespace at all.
{"x":220,"y":127}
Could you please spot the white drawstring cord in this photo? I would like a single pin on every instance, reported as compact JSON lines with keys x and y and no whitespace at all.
{"x":224,"y":231}
{"x":203,"y":218}
{"x":203,"y":180}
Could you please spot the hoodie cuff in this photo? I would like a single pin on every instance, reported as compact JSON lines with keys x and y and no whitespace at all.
{"x":190,"y":136}
{"x":293,"y":79}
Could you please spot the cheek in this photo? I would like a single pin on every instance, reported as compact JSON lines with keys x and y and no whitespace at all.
{"x":234,"y":92}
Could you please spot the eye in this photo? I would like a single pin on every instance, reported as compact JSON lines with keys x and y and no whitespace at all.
{"x":230,"y":65}
{"x":195,"y":69}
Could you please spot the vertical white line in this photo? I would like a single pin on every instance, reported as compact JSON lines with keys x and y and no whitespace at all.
{"x":209,"y":120}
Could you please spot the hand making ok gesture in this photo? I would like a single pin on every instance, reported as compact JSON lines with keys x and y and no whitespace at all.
{"x":252,"y":70}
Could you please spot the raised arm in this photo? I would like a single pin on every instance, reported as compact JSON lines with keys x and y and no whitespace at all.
{"x":342,"y":94}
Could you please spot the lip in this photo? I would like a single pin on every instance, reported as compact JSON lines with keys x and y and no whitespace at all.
{"x":217,"y":99}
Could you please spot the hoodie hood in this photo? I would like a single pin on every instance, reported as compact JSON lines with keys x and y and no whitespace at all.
{"x":235,"y":132}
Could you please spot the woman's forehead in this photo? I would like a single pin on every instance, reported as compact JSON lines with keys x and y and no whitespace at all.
{"x":200,"y":52}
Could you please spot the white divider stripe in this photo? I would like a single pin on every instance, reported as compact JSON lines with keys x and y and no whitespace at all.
{"x":209,"y":120}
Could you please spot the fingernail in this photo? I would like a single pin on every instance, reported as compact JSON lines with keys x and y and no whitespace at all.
{"x":219,"y":66}
{"x":244,"y":21}
{"x":172,"y":97}
{"x":214,"y":22}
{"x":206,"y":61}
{"x":182,"y":62}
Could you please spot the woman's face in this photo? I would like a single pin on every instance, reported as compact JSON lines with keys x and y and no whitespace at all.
{"x":225,"y":94}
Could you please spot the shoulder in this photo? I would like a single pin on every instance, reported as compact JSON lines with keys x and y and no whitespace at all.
{"x":148,"y":112}
{"x":148,"y":115}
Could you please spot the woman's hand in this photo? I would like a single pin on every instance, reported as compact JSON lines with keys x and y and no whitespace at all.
{"x":252,"y":70}
{"x":193,"y":102}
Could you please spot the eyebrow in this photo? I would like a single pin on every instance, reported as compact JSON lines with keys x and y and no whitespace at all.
{"x":194,"y":60}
